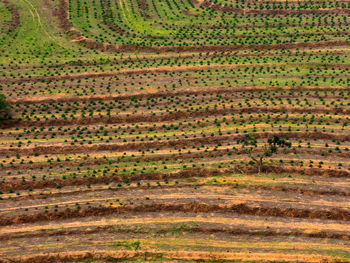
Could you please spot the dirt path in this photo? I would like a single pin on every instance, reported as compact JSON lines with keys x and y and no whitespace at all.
{"x":37,"y":16}
{"x":178,"y":255}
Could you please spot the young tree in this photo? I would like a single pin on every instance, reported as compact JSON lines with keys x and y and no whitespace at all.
{"x":5,"y":108}
{"x":270,"y":147}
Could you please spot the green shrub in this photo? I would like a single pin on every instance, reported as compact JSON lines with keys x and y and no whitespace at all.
{"x":5,"y":108}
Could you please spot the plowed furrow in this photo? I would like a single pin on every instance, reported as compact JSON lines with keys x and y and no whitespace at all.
{"x":69,"y":149}
{"x":244,"y":209}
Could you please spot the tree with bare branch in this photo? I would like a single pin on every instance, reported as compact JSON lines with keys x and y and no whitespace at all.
{"x":249,"y":143}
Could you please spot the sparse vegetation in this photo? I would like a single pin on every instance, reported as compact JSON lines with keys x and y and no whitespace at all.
{"x":148,"y":130}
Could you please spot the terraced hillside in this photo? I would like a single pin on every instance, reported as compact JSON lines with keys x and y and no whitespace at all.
{"x":127,"y":123}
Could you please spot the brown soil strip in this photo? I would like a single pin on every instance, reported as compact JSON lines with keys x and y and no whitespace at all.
{"x":286,"y":189}
{"x":180,"y":174}
{"x":173,"y":56}
{"x":189,"y":229}
{"x":183,"y":156}
{"x":127,"y":60}
{"x":133,"y":48}
{"x":195,"y":207}
{"x":149,"y":256}
{"x":69,"y":149}
{"x":113,"y":178}
{"x":220,"y":7}
{"x":176,"y":115}
{"x":179,"y":92}
{"x":121,"y":72}
{"x":138,"y":71}
{"x":84,"y":75}
{"x":159,"y":128}
{"x":15,"y":15}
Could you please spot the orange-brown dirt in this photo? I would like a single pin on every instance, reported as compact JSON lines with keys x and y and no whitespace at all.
{"x":180,"y":174}
{"x":158,"y":94}
{"x":55,"y":149}
{"x":333,"y":214}
{"x":219,"y":7}
{"x":167,"y":117}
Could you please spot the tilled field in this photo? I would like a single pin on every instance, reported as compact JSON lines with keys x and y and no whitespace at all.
{"x":128,"y":116}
